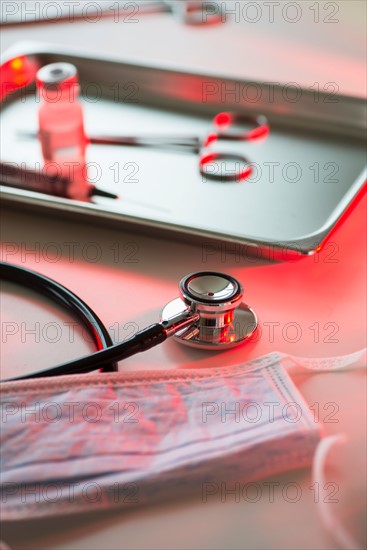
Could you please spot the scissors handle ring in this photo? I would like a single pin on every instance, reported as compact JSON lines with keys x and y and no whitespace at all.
{"x":224,"y":121}
{"x":208,"y":159}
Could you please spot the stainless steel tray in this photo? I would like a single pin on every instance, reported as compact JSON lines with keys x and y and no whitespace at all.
{"x":307,"y":173}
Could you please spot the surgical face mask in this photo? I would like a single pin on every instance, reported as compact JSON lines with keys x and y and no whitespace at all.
{"x":71,"y":444}
{"x":78,"y":443}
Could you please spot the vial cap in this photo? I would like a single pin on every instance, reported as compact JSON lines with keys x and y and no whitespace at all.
{"x":56,"y":75}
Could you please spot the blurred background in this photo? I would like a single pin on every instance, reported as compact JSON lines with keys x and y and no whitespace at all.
{"x":304,"y":42}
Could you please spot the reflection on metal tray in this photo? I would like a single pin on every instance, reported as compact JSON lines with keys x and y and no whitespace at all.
{"x":306,"y":173}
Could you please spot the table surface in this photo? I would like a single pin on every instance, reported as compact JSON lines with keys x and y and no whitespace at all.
{"x":324,"y":295}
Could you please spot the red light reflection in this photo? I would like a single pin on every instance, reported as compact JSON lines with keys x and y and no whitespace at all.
{"x":17,"y":73}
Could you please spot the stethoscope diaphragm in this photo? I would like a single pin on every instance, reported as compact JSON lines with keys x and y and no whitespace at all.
{"x":225,"y":321}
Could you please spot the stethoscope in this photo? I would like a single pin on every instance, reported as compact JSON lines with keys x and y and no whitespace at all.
{"x":208,"y":314}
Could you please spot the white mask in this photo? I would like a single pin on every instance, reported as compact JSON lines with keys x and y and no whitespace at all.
{"x":83,"y":442}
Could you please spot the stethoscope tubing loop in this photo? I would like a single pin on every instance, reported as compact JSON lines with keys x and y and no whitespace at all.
{"x":67,"y":299}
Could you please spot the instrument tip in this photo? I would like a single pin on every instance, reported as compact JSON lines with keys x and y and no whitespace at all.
{"x":101,"y":193}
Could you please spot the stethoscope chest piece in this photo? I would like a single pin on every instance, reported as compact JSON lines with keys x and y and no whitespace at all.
{"x":225,"y":320}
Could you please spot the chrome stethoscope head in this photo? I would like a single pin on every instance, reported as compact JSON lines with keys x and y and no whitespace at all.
{"x":223,"y":320}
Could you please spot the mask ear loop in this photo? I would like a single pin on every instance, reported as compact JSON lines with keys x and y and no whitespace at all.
{"x":331,"y":524}
{"x":296,"y":365}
